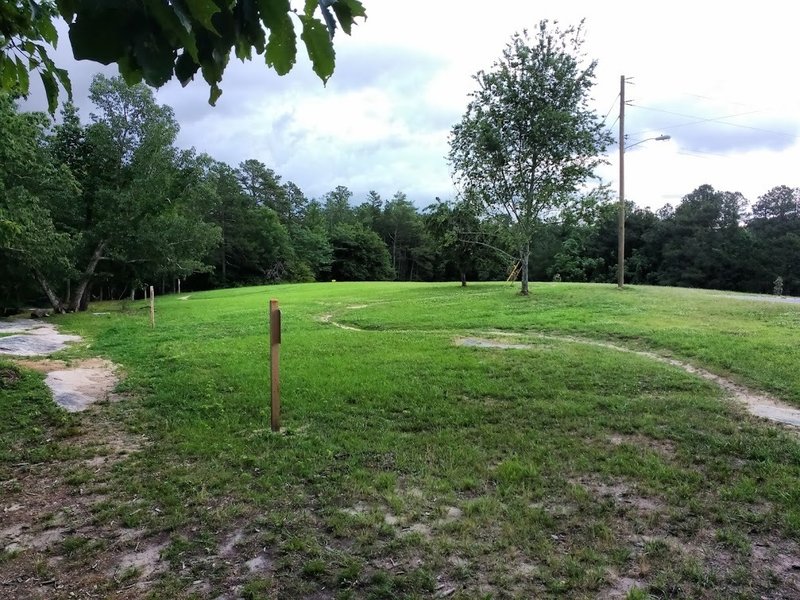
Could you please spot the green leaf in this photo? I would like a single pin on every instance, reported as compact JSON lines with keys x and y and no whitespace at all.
{"x":319,"y":46}
{"x":98,"y":36}
{"x":203,"y":10}
{"x":185,"y":68}
{"x":63,"y":77}
{"x":243,"y":50}
{"x":8,"y":72}
{"x":130,"y":70}
{"x":173,"y":23}
{"x":23,"y":78}
{"x":51,"y":90}
{"x":48,"y":31}
{"x":310,"y":7}
{"x":214,"y":94}
{"x":346,"y":12}
{"x":282,"y":45}
{"x":156,"y":59}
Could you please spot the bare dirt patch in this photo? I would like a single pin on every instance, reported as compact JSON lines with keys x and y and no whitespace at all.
{"x":78,"y":385}
{"x":761,"y":298}
{"x":51,"y":540}
{"x":621,"y":493}
{"x":74,"y":389}
{"x":145,"y":561}
{"x":665,"y":448}
{"x":328,"y":318}
{"x":473,"y":342}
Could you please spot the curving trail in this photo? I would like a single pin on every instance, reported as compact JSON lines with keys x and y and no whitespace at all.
{"x":757,"y":403}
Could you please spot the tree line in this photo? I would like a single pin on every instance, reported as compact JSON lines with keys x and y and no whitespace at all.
{"x":102,"y":209}
{"x":98,"y":210}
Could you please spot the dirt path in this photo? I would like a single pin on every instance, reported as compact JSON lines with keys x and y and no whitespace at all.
{"x":52,"y":543}
{"x":757,"y":403}
{"x":761,"y":298}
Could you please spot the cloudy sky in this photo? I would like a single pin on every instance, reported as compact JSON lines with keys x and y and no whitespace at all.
{"x":719,"y":78}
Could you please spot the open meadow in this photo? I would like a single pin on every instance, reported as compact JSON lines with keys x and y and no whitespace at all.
{"x":437,"y":441}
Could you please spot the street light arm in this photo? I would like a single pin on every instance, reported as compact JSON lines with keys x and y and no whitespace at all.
{"x":659,"y":138}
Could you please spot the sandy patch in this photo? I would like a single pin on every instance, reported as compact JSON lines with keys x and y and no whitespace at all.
{"x":663,"y":447}
{"x":621,"y":494}
{"x":328,"y":319}
{"x":146,"y":561}
{"x":474,"y":342}
{"x":227,"y":547}
{"x":259,"y":564}
{"x":761,"y":298}
{"x":75,"y":389}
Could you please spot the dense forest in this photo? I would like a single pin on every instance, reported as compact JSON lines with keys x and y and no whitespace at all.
{"x":100,"y":207}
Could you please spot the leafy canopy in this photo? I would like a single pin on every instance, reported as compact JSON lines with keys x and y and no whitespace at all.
{"x":155,"y":40}
{"x":528,"y":138}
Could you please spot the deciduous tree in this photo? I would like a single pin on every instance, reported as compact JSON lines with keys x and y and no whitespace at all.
{"x":528,"y":138}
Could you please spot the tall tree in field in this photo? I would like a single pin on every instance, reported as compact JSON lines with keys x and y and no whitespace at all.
{"x":456,"y":229}
{"x":528,"y":138}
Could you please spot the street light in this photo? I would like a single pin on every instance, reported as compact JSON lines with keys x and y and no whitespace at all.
{"x":660,"y":138}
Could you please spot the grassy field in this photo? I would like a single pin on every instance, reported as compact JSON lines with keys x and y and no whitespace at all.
{"x":410,"y":466}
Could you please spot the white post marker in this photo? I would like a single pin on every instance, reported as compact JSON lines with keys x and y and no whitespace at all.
{"x":152,"y":308}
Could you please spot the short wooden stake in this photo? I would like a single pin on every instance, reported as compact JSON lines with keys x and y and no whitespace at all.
{"x":152,"y":308}
{"x":274,"y":361}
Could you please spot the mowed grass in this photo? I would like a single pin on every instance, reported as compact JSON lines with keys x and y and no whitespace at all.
{"x":412,"y":467}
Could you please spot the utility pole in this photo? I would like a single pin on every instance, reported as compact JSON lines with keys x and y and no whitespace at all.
{"x":621,"y":227}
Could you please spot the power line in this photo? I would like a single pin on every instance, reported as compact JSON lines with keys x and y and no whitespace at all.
{"x":709,"y":120}
{"x":719,"y":120}
{"x":760,"y":107}
{"x":613,"y":104}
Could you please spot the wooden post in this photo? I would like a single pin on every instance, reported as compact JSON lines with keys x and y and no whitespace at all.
{"x":274,"y":361}
{"x":152,"y":308}
{"x":621,"y":223}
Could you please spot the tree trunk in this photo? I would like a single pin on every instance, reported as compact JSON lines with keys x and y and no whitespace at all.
{"x":394,"y":254}
{"x":463,"y":278}
{"x":224,"y":264}
{"x":56,"y":303}
{"x":87,"y":296}
{"x":526,"y":252}
{"x":77,"y":301}
{"x":133,"y":292}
